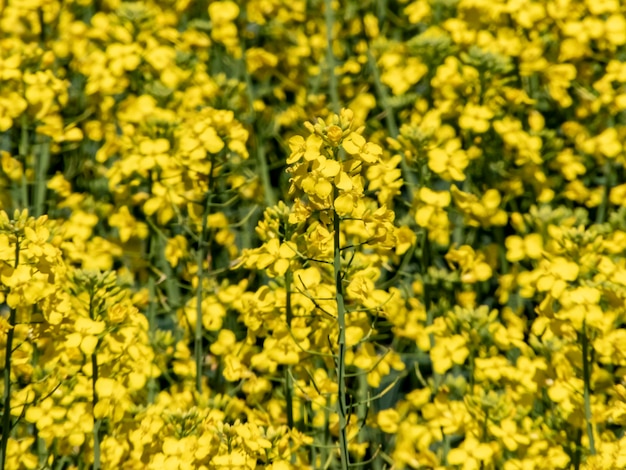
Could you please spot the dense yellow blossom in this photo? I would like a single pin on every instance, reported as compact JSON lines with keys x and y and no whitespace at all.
{"x":279,"y":235}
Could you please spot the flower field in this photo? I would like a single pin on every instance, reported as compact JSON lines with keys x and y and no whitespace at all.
{"x":290,"y":234}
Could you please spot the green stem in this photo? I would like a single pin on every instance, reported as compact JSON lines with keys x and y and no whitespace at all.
{"x":97,"y":422}
{"x":392,"y":126}
{"x":609,"y":182}
{"x":577,"y":450}
{"x":366,"y":434}
{"x":325,"y":438}
{"x":288,"y":383}
{"x":152,"y":386}
{"x":504,"y":263}
{"x":171,"y":285}
{"x":23,"y":152}
{"x":41,"y":169}
{"x":587,"y":389}
{"x":446,"y":447}
{"x":6,"y":410}
{"x":94,"y":380}
{"x":202,"y":252}
{"x":341,"y":358}
{"x":471,"y":371}
{"x":333,"y":87}
{"x":270,"y":197}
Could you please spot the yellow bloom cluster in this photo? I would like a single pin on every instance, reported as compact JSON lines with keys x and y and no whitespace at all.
{"x":288,"y":234}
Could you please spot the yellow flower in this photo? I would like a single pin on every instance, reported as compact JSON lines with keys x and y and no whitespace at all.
{"x":448,"y":351}
{"x":282,"y":348}
{"x":431,"y":215}
{"x":602,"y":7}
{"x":225,"y":342}
{"x":223,"y":11}
{"x":582,"y":305}
{"x":19,"y":455}
{"x":5,"y":326}
{"x":518,"y":248}
{"x":113,"y":400}
{"x":473,"y":266}
{"x":234,"y":460}
{"x":223,"y":14}
{"x":480,"y":213}
{"x":555,"y":274}
{"x":475,"y":118}
{"x":161,"y":57}
{"x":12,"y":167}
{"x":127,"y":225}
{"x":356,"y":145}
{"x":450,"y":161}
{"x":123,"y":58}
{"x":334,"y":134}
{"x":388,"y":420}
{"x":401,"y":71}
{"x":559,"y":78}
{"x":162,"y":202}
{"x":308,"y":149}
{"x":86,"y":335}
{"x":616,"y":29}
{"x":472,"y":454}
{"x":258,"y":59}
{"x":175,"y":249}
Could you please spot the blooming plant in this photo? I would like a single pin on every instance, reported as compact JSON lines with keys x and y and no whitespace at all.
{"x":312,"y":234}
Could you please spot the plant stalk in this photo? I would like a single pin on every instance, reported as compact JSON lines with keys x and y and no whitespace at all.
{"x":41,"y":169}
{"x":288,"y":383}
{"x":587,"y":389}
{"x":94,"y":377}
{"x":6,"y":410}
{"x":333,"y":87}
{"x":202,"y":254}
{"x":341,"y":357}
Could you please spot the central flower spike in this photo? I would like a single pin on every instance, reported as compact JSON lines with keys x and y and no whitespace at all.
{"x":328,"y":165}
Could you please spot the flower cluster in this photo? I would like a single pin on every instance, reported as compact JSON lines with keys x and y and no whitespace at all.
{"x":288,"y":234}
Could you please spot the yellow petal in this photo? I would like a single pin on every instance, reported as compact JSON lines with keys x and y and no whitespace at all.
{"x":483,"y":451}
{"x":354,"y":334}
{"x":423,"y":215}
{"x":533,"y":244}
{"x":136,"y":381}
{"x":287,"y":250}
{"x":566,"y":270}
{"x":88,"y":345}
{"x":105,"y":387}
{"x":307,"y":278}
{"x":281,"y":266}
{"x":89,"y":327}
{"x":388,"y":420}
{"x":344,"y":205}
{"x":330,"y":169}
{"x":323,"y":189}
{"x":343,"y":182}
{"x":457,"y":457}
{"x":73,"y":340}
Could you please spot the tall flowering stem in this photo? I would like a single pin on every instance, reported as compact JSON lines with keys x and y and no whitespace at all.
{"x":94,"y":398}
{"x":333,"y":87}
{"x":337,"y":274}
{"x":330,"y":170}
{"x":202,"y":254}
{"x":587,"y":389}
{"x":288,"y":380}
{"x":101,"y":292}
{"x":31,"y":269}
{"x":6,"y":410}
{"x":341,"y":356}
